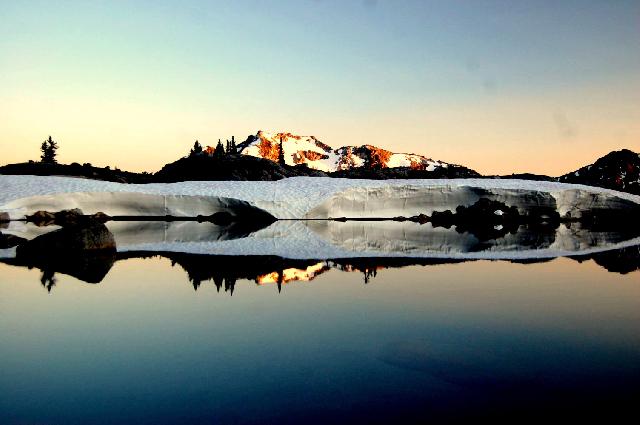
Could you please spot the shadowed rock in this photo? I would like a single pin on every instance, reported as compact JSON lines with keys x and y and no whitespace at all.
{"x":65,"y":218}
{"x":9,"y":241}
{"x":85,"y":251}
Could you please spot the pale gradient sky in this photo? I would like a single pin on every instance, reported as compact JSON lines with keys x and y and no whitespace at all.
{"x":499,"y":86}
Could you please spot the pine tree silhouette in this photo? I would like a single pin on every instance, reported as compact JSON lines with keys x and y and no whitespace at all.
{"x":196,"y":150}
{"x":49,"y":148}
{"x":219,"y":151}
{"x":281,"y":160}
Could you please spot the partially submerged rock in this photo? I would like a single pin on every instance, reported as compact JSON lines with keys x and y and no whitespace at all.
{"x":88,"y":236}
{"x":86,"y":251}
{"x":65,"y":217}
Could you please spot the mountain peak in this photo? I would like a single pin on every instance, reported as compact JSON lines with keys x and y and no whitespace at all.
{"x":320,"y":156}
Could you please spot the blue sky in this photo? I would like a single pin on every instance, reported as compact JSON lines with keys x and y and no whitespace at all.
{"x":495,"y":85}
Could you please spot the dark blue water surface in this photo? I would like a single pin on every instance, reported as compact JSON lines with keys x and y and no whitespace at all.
{"x":438,"y":343}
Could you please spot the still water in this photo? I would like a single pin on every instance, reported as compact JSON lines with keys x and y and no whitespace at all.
{"x":412,"y":344}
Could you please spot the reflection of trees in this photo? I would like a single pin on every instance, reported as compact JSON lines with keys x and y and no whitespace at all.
{"x":225,"y":271}
{"x":48,"y":279}
{"x":369,"y":274}
{"x":623,"y":261}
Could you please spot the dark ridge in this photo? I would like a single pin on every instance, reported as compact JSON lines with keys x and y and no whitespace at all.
{"x":618,"y":170}
{"x":450,"y":172}
{"x":87,"y":171}
{"x":229,"y":167}
{"x":529,"y":176}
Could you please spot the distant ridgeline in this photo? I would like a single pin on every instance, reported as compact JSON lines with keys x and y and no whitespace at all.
{"x":274,"y":156}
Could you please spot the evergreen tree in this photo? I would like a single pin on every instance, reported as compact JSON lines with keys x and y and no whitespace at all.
{"x":281,"y":160}
{"x":231,"y":146}
{"x":49,"y":148}
{"x":219,"y":151}
{"x":196,"y":150}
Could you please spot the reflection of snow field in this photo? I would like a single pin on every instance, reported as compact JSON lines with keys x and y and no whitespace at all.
{"x":330,"y":239}
{"x":298,"y":197}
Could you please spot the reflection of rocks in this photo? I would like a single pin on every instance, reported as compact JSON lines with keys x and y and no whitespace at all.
{"x":489,"y":220}
{"x":65,"y":218}
{"x":415,"y":239}
{"x":9,"y":241}
{"x":623,"y":261}
{"x":73,"y":238}
{"x":85,"y":251}
{"x":4,"y":218}
{"x":620,"y":220}
{"x":225,"y":270}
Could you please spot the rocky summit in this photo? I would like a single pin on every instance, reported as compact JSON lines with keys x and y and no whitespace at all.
{"x":315,"y":154}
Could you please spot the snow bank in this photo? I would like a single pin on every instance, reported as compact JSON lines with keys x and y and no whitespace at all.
{"x":296,"y":198}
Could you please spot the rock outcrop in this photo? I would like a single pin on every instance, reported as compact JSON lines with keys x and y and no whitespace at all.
{"x":85,"y":250}
{"x":618,"y":170}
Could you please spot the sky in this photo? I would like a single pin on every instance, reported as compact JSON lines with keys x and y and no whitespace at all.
{"x":499,"y":86}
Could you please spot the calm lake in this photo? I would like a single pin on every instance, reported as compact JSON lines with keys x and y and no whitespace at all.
{"x":440,"y":342}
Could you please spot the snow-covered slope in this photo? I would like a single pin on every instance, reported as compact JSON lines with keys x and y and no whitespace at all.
{"x":298,"y":197}
{"x":320,"y":156}
{"x":320,"y":198}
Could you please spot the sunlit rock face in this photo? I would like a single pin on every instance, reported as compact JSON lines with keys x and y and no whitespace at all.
{"x":320,"y":156}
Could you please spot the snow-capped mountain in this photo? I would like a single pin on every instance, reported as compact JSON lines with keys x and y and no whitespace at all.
{"x":320,"y":156}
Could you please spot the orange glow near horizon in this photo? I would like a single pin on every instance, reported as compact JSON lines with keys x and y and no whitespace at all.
{"x":497,"y":89}
{"x":496,"y":138}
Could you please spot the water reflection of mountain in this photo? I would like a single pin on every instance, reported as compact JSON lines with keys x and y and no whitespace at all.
{"x":224,"y":271}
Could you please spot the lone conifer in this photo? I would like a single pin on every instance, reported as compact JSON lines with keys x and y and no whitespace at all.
{"x":49,"y":148}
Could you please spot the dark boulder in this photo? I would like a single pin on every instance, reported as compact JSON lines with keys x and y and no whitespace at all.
{"x":9,"y":241}
{"x":86,"y":251}
{"x":90,"y":236}
{"x":618,"y":170}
